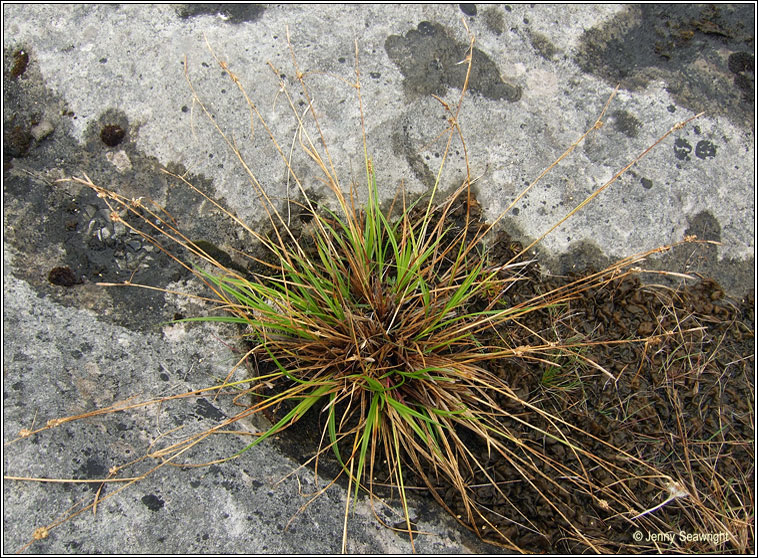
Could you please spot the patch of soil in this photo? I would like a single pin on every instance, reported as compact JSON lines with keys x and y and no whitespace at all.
{"x":657,"y":377}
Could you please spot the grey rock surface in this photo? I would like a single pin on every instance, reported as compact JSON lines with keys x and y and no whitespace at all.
{"x":101,"y":89}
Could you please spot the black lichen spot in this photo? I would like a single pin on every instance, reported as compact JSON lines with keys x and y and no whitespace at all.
{"x":430,"y":62}
{"x":646,"y":183}
{"x":468,"y":9}
{"x":705,"y":150}
{"x":92,"y":469}
{"x":62,"y":276}
{"x":233,"y":13}
{"x":206,"y":410}
{"x":682,"y":149}
{"x":152,"y":502}
{"x":626,"y":123}
{"x":112,"y":134}
{"x":20,"y":62}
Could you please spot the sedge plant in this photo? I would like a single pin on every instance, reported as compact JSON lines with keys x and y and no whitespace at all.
{"x":384,"y":321}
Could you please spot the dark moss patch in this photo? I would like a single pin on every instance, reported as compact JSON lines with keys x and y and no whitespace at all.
{"x":62,"y":276}
{"x":429,"y":59}
{"x":109,"y":130}
{"x":683,"y":45}
{"x":20,"y":62}
{"x":112,"y":135}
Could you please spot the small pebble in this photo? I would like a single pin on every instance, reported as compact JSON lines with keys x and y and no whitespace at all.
{"x":42,"y":130}
{"x":120,"y":160}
